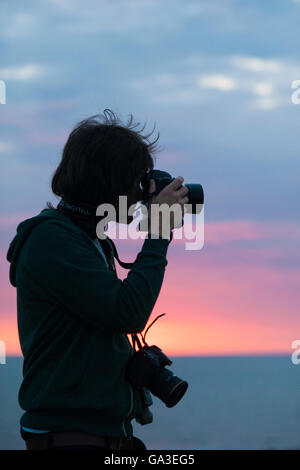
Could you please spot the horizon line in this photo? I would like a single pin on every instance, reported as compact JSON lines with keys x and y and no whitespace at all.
{"x":275,"y":354}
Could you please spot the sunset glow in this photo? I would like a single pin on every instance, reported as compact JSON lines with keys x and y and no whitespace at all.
{"x":224,"y":299}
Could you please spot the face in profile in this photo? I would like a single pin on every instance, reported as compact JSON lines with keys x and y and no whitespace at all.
{"x":133,"y":196}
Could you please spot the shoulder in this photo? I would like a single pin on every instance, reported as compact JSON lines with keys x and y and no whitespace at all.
{"x":51,"y":220}
{"x":59,"y":233}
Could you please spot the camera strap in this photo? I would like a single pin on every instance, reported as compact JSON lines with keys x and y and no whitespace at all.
{"x":115,"y":252}
{"x":83,"y":214}
{"x":134,"y":337}
{"x":135,"y":340}
{"x":123,"y":263}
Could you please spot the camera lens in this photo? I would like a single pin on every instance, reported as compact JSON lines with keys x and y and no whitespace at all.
{"x":169,"y":388}
{"x":196,"y":197}
{"x":177,"y":393}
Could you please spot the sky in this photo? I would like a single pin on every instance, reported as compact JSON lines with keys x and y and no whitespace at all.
{"x":215,"y":79}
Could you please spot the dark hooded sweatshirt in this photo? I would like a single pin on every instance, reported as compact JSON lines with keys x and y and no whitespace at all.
{"x":73,"y":317}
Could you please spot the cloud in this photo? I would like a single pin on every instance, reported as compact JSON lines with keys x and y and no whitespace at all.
{"x":18,"y":25}
{"x":256,"y":64}
{"x":225,"y":298}
{"x":218,"y":82}
{"x":263,"y":89}
{"x":257,"y":82}
{"x":250,"y":230}
{"x":6,"y":147}
{"x":276,"y":76}
{"x":22,"y":72}
{"x":119,"y":17}
{"x":12,"y":220}
{"x":266,"y":103}
{"x":245,"y":232}
{"x":235,"y":289}
{"x":267,"y":96}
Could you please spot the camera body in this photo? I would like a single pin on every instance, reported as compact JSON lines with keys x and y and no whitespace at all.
{"x":162,"y":179}
{"x":146,"y":370}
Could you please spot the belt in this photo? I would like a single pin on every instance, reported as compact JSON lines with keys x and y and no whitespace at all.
{"x":63,"y":439}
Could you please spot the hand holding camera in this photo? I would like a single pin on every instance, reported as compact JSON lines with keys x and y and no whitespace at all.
{"x":160,"y":192}
{"x":173,"y":193}
{"x":165,"y":207}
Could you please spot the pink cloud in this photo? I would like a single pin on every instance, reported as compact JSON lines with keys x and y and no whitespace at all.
{"x":224,"y":299}
{"x":12,"y":220}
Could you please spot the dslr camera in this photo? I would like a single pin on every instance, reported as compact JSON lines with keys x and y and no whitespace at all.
{"x":162,"y":179}
{"x":147,"y":371}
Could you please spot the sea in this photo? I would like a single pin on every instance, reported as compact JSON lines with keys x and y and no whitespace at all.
{"x":232,"y":402}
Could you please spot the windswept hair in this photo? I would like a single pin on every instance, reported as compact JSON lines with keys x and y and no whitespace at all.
{"x":102,"y":159}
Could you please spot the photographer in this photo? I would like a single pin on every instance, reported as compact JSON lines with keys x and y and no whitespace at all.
{"x":73,"y":311}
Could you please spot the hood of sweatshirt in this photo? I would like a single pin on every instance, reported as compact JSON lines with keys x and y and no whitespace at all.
{"x":24,"y":229}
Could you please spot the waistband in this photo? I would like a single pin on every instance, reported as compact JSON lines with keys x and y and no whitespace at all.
{"x":54,"y":440}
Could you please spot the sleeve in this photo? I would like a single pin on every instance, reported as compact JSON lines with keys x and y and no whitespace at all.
{"x":68,"y":268}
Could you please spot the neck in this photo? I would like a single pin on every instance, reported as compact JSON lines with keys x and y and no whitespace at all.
{"x":81,"y":214}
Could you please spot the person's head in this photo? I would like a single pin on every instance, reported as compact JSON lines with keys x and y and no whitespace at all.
{"x":102,"y":160}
